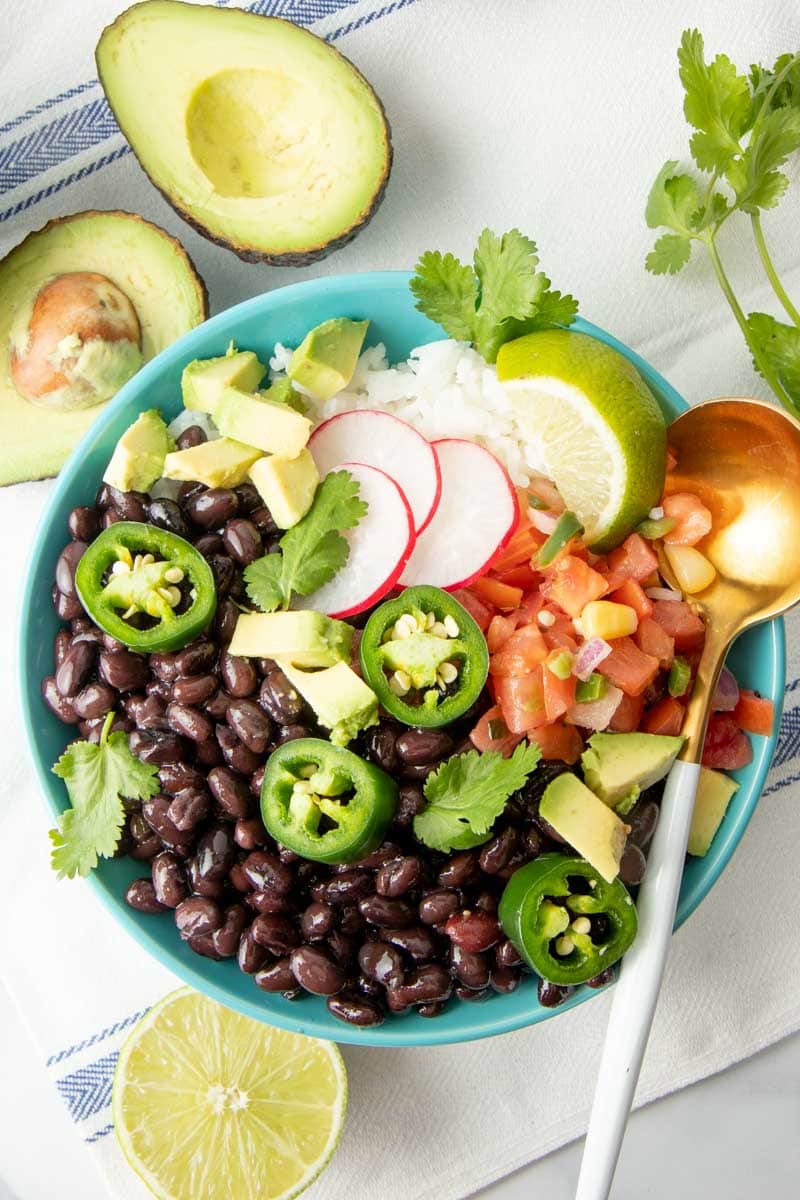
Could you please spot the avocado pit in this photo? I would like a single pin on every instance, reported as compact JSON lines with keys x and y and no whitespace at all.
{"x":76,"y":343}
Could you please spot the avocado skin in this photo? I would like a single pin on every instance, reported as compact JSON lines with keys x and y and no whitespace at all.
{"x":249,"y":254}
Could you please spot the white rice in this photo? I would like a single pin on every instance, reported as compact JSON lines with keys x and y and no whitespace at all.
{"x":444,"y":389}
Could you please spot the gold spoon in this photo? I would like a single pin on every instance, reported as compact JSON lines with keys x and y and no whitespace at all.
{"x":742,"y":458}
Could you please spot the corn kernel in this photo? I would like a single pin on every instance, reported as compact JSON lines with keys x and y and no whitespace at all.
{"x":692,"y":570}
{"x":607,"y":620}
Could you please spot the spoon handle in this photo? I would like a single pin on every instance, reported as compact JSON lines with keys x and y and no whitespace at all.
{"x":636,"y":992}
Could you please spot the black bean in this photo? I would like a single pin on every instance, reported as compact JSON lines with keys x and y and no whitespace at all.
{"x":189,"y":722}
{"x":249,"y":497}
{"x":497,"y":853}
{"x":110,"y":517}
{"x":250,"y":956}
{"x":506,"y":954}
{"x":532,"y":843}
{"x":368,"y":987}
{"x":349,"y":885}
{"x":290,"y":733}
{"x":94,"y":700}
{"x":381,"y":962}
{"x":256,"y":780}
{"x":57,"y":703}
{"x":67,"y":607}
{"x":217,"y":705}
{"x":208,"y":754}
{"x":61,"y":644}
{"x":147,"y":712}
{"x":431,"y":1010}
{"x":460,"y":869}
{"x":418,"y":746}
{"x":215,"y":854}
{"x":230,"y":791}
{"x":249,"y":833}
{"x":157,"y":687}
{"x":196,"y":659}
{"x":278,"y":698}
{"x":317,"y":921}
{"x":193,"y":689}
{"x":203,"y":943}
{"x":437,"y":906}
{"x":197,"y":915}
{"x":223,"y":569}
{"x":226,"y":938}
{"x":632,"y":865}
{"x":188,"y":808}
{"x":238,"y":674}
{"x":423,"y":986}
{"x":505,"y":979}
{"x":551,"y":994}
{"x":122,"y":670}
{"x":169,"y":880}
{"x":277,"y":977}
{"x":601,"y":980}
{"x":418,"y":941}
{"x":380,"y":910}
{"x":275,"y":933}
{"x":130,"y":506}
{"x":642,"y":819}
{"x":147,"y":849}
{"x":465,"y":993}
{"x":342,"y":947}
{"x":263,"y":520}
{"x":141,"y":895}
{"x":175,"y":777}
{"x":470,"y":968}
{"x":355,"y":1010}
{"x":235,"y":753}
{"x":351,"y":921}
{"x":250,"y":724}
{"x":103,"y":497}
{"x":83,"y":523}
{"x":211,"y":509}
{"x":395,"y":1001}
{"x":166,"y":514}
{"x":410,"y":801}
{"x":225,"y":621}
{"x":153,"y":746}
{"x":213,"y":889}
{"x":384,"y":854}
{"x":242,"y":540}
{"x":265,"y":871}
{"x":395,"y":878}
{"x":208,"y":544}
{"x":193,"y":435}
{"x":315,"y":971}
{"x":267,"y":901}
{"x":381,"y":747}
{"x":67,"y":561}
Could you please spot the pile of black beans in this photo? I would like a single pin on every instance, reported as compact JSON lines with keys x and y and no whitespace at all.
{"x":406,"y":928}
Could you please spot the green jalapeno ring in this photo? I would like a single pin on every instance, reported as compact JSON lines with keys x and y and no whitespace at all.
{"x":146,"y":584}
{"x":309,"y":781}
{"x":533,"y":919}
{"x":464,"y":652}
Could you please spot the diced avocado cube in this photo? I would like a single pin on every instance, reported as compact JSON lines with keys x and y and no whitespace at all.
{"x":286,"y":485}
{"x":276,"y":428}
{"x":138,"y":458}
{"x":586,"y":823}
{"x":204,"y":380}
{"x":714,"y":793}
{"x":340,"y":699}
{"x":305,"y":639}
{"x":220,"y":463}
{"x":617,"y":765}
{"x":326,"y":358}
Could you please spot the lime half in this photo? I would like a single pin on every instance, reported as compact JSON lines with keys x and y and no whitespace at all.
{"x":211,"y":1105}
{"x":597,"y":424}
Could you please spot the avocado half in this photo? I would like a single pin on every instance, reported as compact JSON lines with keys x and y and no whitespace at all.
{"x":153,"y":271}
{"x":261,"y":135}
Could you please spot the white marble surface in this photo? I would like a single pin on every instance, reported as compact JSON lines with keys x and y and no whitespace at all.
{"x":726,"y":1137}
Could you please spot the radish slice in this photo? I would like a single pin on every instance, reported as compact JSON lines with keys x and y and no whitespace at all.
{"x":380,"y":546}
{"x":477,"y":514}
{"x":380,"y":440}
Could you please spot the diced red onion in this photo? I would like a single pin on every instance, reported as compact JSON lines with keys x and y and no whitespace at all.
{"x":542,"y":520}
{"x":663,"y":593}
{"x":596,"y":714}
{"x":589,"y":655}
{"x":726,"y":693}
{"x":656,"y":514}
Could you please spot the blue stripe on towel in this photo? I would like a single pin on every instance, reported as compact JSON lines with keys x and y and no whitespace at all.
{"x":88,"y":1089}
{"x":95,"y":1038}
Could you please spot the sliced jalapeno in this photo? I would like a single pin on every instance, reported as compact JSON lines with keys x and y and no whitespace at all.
{"x":324,"y":802}
{"x":565,"y":920}
{"x":424,"y":657}
{"x":148,"y":588}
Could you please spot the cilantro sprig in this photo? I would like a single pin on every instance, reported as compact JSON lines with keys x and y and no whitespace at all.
{"x":746,"y":128}
{"x":467,"y":794}
{"x":97,"y":777}
{"x":312,"y":551}
{"x":500,"y":297}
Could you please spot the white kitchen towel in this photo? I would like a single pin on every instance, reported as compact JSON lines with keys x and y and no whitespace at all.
{"x":532,"y":113}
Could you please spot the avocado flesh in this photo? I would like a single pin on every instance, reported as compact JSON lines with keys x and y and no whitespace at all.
{"x":714,"y":794}
{"x":618,"y":766}
{"x":149,"y":266}
{"x":138,"y":458}
{"x":584,"y":821}
{"x":260,"y":134}
{"x":324,"y":362}
{"x":306,"y":639}
{"x":341,"y":701}
{"x":204,"y":380}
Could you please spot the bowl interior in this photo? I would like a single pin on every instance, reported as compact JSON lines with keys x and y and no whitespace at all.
{"x":286,"y":315}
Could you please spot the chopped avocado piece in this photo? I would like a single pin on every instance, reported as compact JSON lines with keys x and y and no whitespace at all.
{"x":264,"y":137}
{"x":615,"y":765}
{"x":303,"y":638}
{"x":276,"y":428}
{"x":204,"y":380}
{"x":282,"y":392}
{"x":81,"y":259}
{"x":340,"y":699}
{"x":421,"y":655}
{"x":219,"y":463}
{"x":714,"y":793}
{"x":286,"y":485}
{"x":326,"y":358}
{"x":138,"y":458}
{"x":585,"y":822}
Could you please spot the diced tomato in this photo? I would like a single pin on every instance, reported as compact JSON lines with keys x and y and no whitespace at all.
{"x":521,"y":700}
{"x":501,"y":595}
{"x":525,"y":650}
{"x":634,"y":559}
{"x":482,"y":739}
{"x":523,"y":577}
{"x":546,"y":491}
{"x":561,"y":635}
{"x":500,"y":630}
{"x":632,"y":594}
{"x":520,"y":549}
{"x":530,"y":607}
{"x":627,"y":667}
{"x":692,"y":519}
{"x":559,"y":694}
{"x":665,"y":717}
{"x":672,"y":459}
{"x":572,"y":583}
{"x":754,"y":713}
{"x":726,"y":747}
{"x":681,"y":622}
{"x":628,"y":715}
{"x":480,"y":612}
{"x":560,"y":742}
{"x":653,"y":639}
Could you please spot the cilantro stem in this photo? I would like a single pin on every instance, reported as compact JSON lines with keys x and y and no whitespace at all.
{"x":109,"y":721}
{"x":769,"y":268}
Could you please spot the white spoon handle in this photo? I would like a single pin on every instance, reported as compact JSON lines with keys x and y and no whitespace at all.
{"x":636,"y":992}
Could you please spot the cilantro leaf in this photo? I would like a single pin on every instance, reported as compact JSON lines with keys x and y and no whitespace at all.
{"x":754,"y":176}
{"x":787,"y":92}
{"x":717,"y":103}
{"x":669,"y":255}
{"x":447,"y":292}
{"x":313,"y":550}
{"x":673,"y":200}
{"x":779,"y":345}
{"x":510,"y":286}
{"x":467,"y":794}
{"x":97,"y":776}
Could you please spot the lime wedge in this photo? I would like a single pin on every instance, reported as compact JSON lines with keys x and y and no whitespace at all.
{"x":211,"y":1105}
{"x":596,"y":423}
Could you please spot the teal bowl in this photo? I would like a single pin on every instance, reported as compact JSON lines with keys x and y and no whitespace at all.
{"x":285,"y":315}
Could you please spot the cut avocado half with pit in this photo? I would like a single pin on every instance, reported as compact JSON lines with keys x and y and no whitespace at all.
{"x":85,"y":301}
{"x":256,"y":131}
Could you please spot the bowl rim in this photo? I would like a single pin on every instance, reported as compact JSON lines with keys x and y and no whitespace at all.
{"x":389,"y":1034}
